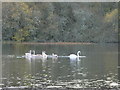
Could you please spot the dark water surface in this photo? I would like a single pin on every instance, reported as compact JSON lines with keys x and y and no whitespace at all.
{"x":100,"y":63}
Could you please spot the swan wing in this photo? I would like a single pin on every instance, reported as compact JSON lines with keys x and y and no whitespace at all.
{"x":72,"y":55}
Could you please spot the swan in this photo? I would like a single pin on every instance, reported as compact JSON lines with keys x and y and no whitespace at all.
{"x":28,"y":54}
{"x":73,"y":56}
{"x":44,"y":55}
{"x":54,"y":55}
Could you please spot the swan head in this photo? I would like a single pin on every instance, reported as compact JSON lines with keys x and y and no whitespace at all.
{"x":34,"y":52}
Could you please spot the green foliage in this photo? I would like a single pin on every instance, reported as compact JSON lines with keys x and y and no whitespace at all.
{"x":60,"y":22}
{"x":21,"y":35}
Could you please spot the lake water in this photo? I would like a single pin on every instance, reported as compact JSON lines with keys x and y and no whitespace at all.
{"x":100,"y":63}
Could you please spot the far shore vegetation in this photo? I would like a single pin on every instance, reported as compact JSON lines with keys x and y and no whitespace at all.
{"x":60,"y":22}
{"x":57,"y":43}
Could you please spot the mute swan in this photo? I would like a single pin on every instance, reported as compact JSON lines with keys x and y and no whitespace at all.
{"x":44,"y":55}
{"x":28,"y":54}
{"x":73,"y":56}
{"x":54,"y":55}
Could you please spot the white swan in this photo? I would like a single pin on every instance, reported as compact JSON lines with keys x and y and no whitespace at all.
{"x":44,"y":55}
{"x":73,"y":56}
{"x":54,"y":55}
{"x":28,"y":55}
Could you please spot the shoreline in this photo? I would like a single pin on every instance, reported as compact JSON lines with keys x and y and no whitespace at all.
{"x":56,"y":43}
{"x":17,"y":88}
{"x":48,"y":43}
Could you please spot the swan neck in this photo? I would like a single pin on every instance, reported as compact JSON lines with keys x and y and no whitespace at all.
{"x":34,"y":52}
{"x":78,"y":53}
{"x":30,"y":51}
